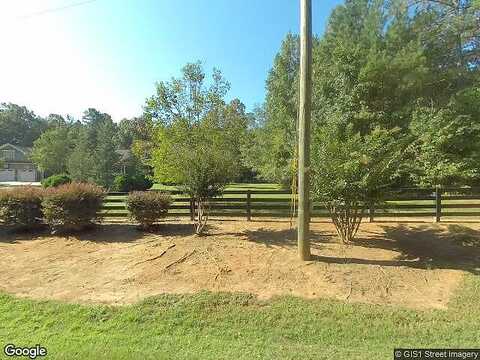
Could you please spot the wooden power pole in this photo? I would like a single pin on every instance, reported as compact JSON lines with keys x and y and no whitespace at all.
{"x":304,"y":115}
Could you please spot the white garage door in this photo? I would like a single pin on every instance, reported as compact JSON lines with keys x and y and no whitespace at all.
{"x":26,"y":175}
{"x":7,"y":175}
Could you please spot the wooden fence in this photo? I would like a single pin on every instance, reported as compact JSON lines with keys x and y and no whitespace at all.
{"x":425,"y":204}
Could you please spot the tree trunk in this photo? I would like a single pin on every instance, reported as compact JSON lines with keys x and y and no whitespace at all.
{"x":201,"y":215}
{"x":347,"y":218}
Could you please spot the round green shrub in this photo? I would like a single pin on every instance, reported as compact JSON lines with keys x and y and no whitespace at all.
{"x":20,"y":207}
{"x":121,"y":183}
{"x":136,"y":182}
{"x":72,"y":207}
{"x":56,"y":180}
{"x":148,"y":207}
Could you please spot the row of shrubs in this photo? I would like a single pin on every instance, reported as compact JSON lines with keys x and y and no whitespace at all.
{"x":73,"y":206}
{"x":122,"y":183}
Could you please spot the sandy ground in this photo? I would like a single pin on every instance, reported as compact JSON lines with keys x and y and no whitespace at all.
{"x":411,"y":265}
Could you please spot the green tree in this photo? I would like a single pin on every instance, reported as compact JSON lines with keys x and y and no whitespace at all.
{"x":197,"y":136}
{"x":196,"y":157}
{"x":447,"y":150}
{"x":234,"y":122}
{"x":277,"y":136}
{"x":254,"y":144}
{"x":381,"y":64}
{"x":187,"y":97}
{"x":81,"y":163}
{"x":55,"y":120}
{"x":106,"y":158}
{"x":351,"y":171}
{"x":449,"y":32}
{"x":52,"y":149}
{"x":19,"y":126}
{"x":93,"y":120}
{"x":369,"y":67}
{"x":131,"y":130}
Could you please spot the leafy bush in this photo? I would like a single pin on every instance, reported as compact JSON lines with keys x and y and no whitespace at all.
{"x":148,"y":207}
{"x":72,"y":207}
{"x":127,"y":183}
{"x":198,"y":159}
{"x":56,"y":180}
{"x":351,"y":171}
{"x":21,"y":207}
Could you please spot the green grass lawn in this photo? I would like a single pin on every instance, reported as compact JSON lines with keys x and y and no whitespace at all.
{"x":229,"y":326}
{"x":235,"y":186}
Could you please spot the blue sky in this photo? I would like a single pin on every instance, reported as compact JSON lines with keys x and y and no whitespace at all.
{"x":63,"y":56}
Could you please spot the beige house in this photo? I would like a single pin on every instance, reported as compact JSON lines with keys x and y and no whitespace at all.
{"x":15,"y":164}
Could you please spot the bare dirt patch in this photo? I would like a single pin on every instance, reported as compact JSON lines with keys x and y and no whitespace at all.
{"x":417,"y":266}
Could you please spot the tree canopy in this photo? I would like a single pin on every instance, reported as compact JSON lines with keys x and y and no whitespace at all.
{"x":198,"y":136}
{"x":19,"y":126}
{"x":387,"y":64}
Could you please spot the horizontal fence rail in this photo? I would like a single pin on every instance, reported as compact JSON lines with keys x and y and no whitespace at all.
{"x":437,"y":204}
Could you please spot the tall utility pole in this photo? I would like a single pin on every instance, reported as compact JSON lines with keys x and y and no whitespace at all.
{"x":304,"y":115}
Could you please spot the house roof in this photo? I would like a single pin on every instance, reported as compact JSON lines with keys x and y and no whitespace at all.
{"x":125,"y":154}
{"x":22,"y":149}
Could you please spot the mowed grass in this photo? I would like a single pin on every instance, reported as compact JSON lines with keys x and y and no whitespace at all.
{"x":234,"y":186}
{"x":237,"y":326}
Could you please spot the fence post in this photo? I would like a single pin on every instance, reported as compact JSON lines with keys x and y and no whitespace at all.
{"x":371,"y":211}
{"x":438,"y":204}
{"x":249,"y":209}
{"x":192,"y":208}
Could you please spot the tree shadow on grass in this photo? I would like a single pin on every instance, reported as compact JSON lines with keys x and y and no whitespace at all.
{"x":286,"y":238}
{"x":426,"y":247}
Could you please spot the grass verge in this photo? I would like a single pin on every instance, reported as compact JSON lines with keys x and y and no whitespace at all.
{"x":226,"y":326}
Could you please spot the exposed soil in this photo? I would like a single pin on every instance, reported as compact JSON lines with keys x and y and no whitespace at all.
{"x":411,"y":265}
